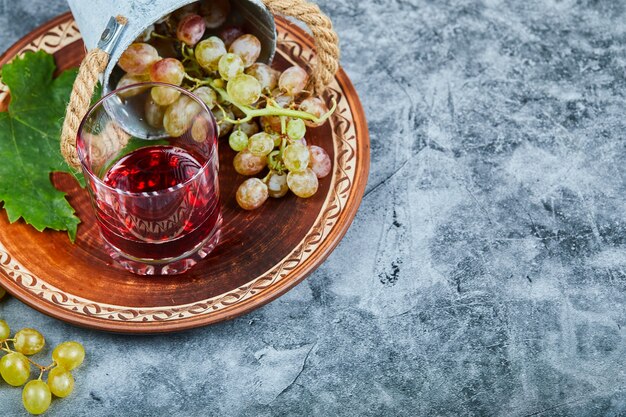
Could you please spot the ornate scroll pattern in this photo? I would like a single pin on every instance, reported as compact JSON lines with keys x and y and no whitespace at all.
{"x":345,"y":150}
{"x":53,"y":40}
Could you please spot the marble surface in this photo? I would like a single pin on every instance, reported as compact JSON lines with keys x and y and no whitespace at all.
{"x":485,"y":273}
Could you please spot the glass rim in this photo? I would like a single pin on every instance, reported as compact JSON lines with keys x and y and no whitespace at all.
{"x":101,"y":101}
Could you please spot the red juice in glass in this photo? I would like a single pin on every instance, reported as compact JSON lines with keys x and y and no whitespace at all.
{"x":156,"y":196}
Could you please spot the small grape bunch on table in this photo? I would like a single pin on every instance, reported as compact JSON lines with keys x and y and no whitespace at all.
{"x":15,"y":366}
{"x":264,"y":113}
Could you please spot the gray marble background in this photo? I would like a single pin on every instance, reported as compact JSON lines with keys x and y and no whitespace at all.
{"x":485,"y":273}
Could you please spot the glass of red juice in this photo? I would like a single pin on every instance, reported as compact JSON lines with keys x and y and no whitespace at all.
{"x":152,"y":174}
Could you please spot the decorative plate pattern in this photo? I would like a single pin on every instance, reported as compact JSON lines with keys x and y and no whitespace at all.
{"x":331,"y":223}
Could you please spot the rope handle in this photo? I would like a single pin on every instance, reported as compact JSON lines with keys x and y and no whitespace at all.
{"x":326,"y":39}
{"x":94,"y":64}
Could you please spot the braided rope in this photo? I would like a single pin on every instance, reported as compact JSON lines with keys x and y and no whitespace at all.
{"x":326,"y":40}
{"x":92,"y":66}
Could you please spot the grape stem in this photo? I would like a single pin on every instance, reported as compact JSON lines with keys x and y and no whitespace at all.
{"x":271,"y":110}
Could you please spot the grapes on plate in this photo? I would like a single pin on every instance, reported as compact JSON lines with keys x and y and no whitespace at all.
{"x":154,"y":113}
{"x":164,"y":96}
{"x":128,"y":79}
{"x":248,"y":47}
{"x":230,"y":33}
{"x":238,"y":140}
{"x":207,"y":95}
{"x":265,"y":75}
{"x":215,"y":12}
{"x":251,"y":194}
{"x":220,"y":116}
{"x":320,"y":161}
{"x":304,"y":184}
{"x":229,"y":66}
{"x":296,"y":129}
{"x":249,"y":128}
{"x":263,"y":112}
{"x":277,"y":185}
{"x":193,"y":8}
{"x":293,"y":80}
{"x":314,"y":106}
{"x":296,"y":157}
{"x":246,"y":163}
{"x":138,"y":58}
{"x":261,"y":144}
{"x":179,"y":116}
{"x":190,"y":29}
{"x":168,"y":70}
{"x":244,"y":89}
{"x":209,"y":51}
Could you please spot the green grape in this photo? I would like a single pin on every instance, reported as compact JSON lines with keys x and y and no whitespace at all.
{"x":296,"y":157}
{"x":261,"y":144}
{"x":190,"y":29}
{"x":168,"y":70}
{"x":179,"y":116}
{"x":128,"y":79}
{"x":244,"y":89}
{"x":278,"y":140}
{"x":207,"y":95}
{"x":61,"y":382}
{"x":314,"y":106}
{"x":247,"y":164}
{"x":265,"y":75}
{"x":293,"y":80}
{"x":154,"y":113}
{"x":29,"y":341}
{"x":215,"y":12}
{"x":303,"y":184}
{"x":238,"y":140}
{"x":277,"y":185}
{"x":36,"y":397}
{"x":296,"y":129}
{"x":249,"y":128}
{"x":320,"y":161}
{"x":230,"y":66}
{"x":209,"y":51}
{"x":164,"y":96}
{"x":138,"y":58}
{"x":251,"y":194}
{"x":5,"y":330}
{"x":15,"y":369}
{"x":69,"y":355}
{"x":248,"y":47}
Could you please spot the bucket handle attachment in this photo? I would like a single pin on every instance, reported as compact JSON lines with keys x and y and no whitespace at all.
{"x":94,"y":64}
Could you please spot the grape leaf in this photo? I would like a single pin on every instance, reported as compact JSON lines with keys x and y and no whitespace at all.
{"x":29,"y":143}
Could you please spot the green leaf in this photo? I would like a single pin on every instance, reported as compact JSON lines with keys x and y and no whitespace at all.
{"x":29,"y":143}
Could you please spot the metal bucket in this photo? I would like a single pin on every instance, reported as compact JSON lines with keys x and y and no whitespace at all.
{"x":94,"y":17}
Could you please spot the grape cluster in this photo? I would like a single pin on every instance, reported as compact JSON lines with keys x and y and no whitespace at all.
{"x":15,"y":367}
{"x":264,"y":113}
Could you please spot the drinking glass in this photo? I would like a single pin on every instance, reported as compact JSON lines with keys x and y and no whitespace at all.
{"x":152,"y":174}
